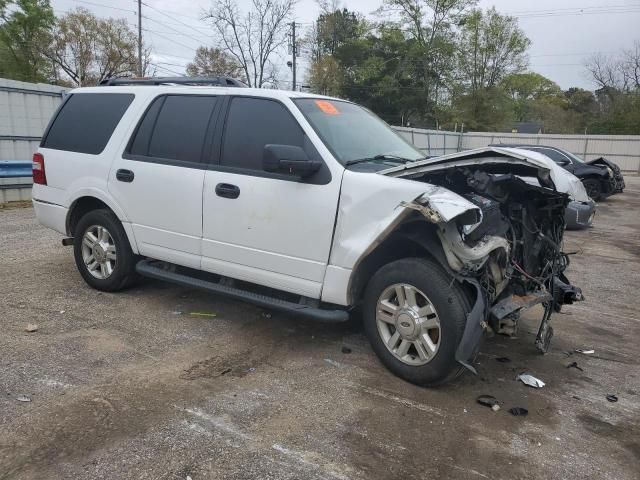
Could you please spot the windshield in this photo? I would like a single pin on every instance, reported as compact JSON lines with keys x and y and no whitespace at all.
{"x":577,"y":159}
{"x":354,"y":134}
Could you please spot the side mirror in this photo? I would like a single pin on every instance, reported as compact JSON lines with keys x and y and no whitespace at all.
{"x":563,"y":162}
{"x":288,"y":159}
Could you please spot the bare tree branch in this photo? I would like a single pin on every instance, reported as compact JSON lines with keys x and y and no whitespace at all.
{"x":254,"y":37}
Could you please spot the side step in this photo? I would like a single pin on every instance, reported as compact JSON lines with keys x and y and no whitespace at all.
{"x":153,"y":269}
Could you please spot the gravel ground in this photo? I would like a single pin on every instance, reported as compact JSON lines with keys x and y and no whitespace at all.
{"x":132,"y":385}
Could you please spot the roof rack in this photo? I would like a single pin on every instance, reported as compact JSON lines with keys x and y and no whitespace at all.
{"x":220,"y":81}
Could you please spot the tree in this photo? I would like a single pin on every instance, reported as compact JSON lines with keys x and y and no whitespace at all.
{"x":24,"y":35}
{"x":526,"y":88}
{"x":490,"y":47}
{"x":88,"y":49}
{"x":326,"y":76}
{"x":430,"y":25}
{"x":621,"y":72}
{"x":254,"y":37}
{"x":210,"y":62}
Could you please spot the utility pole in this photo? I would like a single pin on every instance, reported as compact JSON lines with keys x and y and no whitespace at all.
{"x":139,"y":38}
{"x":294,"y":51}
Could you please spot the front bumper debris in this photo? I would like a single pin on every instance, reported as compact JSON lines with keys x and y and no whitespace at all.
{"x":579,"y":214}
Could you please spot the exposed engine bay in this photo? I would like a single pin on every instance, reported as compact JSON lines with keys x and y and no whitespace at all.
{"x":513,"y":253}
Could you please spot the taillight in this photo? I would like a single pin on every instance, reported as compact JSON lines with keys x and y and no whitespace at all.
{"x":39,"y":176}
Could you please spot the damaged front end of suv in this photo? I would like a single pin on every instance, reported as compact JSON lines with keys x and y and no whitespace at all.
{"x":511,"y":253}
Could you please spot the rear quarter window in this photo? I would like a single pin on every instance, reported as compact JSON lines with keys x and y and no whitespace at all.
{"x":86,"y":122}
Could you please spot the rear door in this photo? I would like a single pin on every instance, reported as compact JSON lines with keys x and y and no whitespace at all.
{"x":158,"y":178}
{"x":267,"y":228}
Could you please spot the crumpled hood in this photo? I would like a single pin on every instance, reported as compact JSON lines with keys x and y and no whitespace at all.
{"x":531,"y":164}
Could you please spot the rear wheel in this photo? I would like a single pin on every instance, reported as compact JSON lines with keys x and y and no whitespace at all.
{"x":593,"y":188}
{"x":414,"y":317}
{"x":102,"y":252}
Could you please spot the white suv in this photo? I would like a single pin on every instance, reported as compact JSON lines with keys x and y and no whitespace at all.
{"x":293,"y":202}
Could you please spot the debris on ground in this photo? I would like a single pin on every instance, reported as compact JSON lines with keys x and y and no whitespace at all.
{"x":332,"y":362}
{"x":202,"y":314}
{"x":176,"y":312}
{"x":31,"y":327}
{"x":266,"y":314}
{"x":503,"y":359}
{"x":346,"y":350}
{"x":584,"y":351}
{"x":489,"y":401}
{"x":251,"y":370}
{"x":23,"y":398}
{"x":518,"y":412}
{"x":530,"y":380}
{"x":612,"y":398}
{"x":575,"y":365}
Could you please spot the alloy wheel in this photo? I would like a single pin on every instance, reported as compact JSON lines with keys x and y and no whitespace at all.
{"x":408,"y":324}
{"x":99,"y":252}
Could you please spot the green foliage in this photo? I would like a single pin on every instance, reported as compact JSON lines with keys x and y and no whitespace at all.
{"x":209,"y":61}
{"x":25,"y":32}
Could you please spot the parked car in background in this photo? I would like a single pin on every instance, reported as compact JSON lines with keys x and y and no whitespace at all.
{"x":601,"y":177}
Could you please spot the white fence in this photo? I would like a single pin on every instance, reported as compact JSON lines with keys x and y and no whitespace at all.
{"x":25,"y":110}
{"x":622,"y":149}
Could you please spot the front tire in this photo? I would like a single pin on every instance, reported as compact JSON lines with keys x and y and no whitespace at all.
{"x":414,"y":317}
{"x":593,"y":188}
{"x":102,"y":251}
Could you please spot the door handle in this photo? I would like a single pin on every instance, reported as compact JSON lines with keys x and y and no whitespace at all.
{"x":227,"y":190}
{"x":125,"y":175}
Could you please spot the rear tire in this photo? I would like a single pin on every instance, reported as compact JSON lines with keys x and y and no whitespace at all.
{"x":433,"y":324}
{"x":593,"y":188}
{"x":102,"y":251}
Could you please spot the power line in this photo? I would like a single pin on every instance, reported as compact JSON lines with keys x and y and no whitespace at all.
{"x":174,"y":30}
{"x":167,"y":15}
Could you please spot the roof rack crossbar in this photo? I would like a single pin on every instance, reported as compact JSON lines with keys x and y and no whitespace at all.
{"x":221,"y":81}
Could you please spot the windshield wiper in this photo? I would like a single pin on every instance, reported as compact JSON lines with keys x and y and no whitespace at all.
{"x":384,"y":156}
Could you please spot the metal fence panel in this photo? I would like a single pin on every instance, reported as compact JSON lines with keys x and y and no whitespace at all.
{"x":622,"y":149}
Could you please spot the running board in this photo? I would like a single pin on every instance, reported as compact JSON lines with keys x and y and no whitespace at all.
{"x":151,"y":269}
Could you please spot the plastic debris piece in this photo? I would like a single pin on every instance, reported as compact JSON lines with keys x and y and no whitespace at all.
{"x":332,"y":362}
{"x":530,"y":380}
{"x":23,"y":398}
{"x":31,"y":327}
{"x":518,"y":412}
{"x":488,"y":401}
{"x":202,"y":314}
{"x":346,"y":350}
{"x":503,"y":359}
{"x":585,"y":351}
{"x":62,"y":311}
{"x":176,"y":312}
{"x":495,"y":407}
{"x":575,"y":365}
{"x":252,"y":369}
{"x":612,"y":398}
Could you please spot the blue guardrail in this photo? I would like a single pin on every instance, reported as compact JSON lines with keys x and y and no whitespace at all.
{"x":15,"y":168}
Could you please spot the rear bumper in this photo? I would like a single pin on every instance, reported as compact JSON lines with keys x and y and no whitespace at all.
{"x":579,"y":214}
{"x":51,"y":215}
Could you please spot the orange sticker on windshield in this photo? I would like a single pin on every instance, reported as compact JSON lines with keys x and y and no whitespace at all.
{"x":327,"y":107}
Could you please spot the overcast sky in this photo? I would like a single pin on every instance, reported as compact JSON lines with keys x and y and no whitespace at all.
{"x":561,"y":36}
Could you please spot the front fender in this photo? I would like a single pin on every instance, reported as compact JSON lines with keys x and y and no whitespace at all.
{"x":371,"y":206}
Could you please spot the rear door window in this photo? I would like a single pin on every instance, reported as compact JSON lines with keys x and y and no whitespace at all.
{"x":554,"y":155}
{"x":174,"y":128}
{"x":86,"y":122}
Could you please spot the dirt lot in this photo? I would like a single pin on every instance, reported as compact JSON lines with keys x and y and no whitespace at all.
{"x":132,"y":385}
